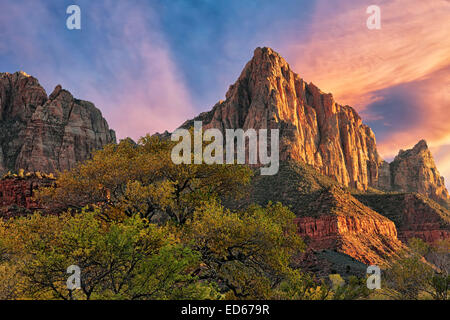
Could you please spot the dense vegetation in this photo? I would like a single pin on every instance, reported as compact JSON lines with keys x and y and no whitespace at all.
{"x":140,"y":227}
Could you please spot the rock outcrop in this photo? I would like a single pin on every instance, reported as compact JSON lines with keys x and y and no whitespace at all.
{"x":16,"y":195}
{"x":347,"y":226}
{"x":414,"y":215}
{"x":414,"y":170}
{"x":313,"y":128}
{"x":328,"y":217}
{"x":49,"y":134}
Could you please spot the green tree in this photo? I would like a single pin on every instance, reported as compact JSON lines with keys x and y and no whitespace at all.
{"x":411,"y":276}
{"x":246,"y":253}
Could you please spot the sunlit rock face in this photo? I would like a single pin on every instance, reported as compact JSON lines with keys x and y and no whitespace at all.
{"x":414,"y":170}
{"x":317,"y":130}
{"x":313,"y":128}
{"x":344,"y":224}
{"x":49,"y":134}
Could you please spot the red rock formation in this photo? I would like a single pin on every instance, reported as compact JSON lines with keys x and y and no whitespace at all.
{"x":328,"y":217}
{"x":325,"y":262}
{"x":16,"y":195}
{"x":344,"y":224}
{"x":414,"y":215}
{"x":313,"y":127}
{"x":46,"y":134}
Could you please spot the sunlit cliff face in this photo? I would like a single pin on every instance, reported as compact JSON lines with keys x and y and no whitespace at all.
{"x":398,"y":77}
{"x":130,"y":59}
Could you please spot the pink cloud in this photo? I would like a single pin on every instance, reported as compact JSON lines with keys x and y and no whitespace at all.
{"x":148,"y":94}
{"x":129,"y":75}
{"x":354,"y":63}
{"x":346,"y":58}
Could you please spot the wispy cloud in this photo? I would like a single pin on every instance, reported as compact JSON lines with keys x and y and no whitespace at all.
{"x":146,"y":92}
{"x":344,"y":57}
{"x":398,"y":77}
{"x":120,"y":60}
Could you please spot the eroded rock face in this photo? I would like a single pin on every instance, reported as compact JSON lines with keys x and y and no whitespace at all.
{"x":414,"y":170}
{"x":313,"y":127}
{"x":327,"y":216}
{"x":49,"y":134}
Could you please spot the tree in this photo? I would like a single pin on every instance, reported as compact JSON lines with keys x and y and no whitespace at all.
{"x":246,"y":253}
{"x":411,"y":276}
{"x":141,"y":178}
{"x":120,"y":260}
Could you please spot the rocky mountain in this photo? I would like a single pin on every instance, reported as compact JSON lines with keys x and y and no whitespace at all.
{"x":324,"y":262}
{"x":313,"y":128}
{"x":414,"y":170}
{"x":49,"y":134}
{"x":316,"y":130}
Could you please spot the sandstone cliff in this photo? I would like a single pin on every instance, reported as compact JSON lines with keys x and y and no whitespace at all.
{"x":313,"y":128}
{"x":346,"y":225}
{"x":414,"y":170}
{"x":40,"y":133}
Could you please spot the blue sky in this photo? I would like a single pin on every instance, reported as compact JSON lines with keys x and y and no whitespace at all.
{"x":207,"y":42}
{"x":150,"y":65}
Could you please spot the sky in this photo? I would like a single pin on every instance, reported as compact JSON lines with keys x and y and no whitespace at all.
{"x":150,"y":65}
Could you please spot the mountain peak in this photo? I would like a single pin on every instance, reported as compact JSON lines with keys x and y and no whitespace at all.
{"x":45,"y":133}
{"x":265,"y":62}
{"x":266,"y":52}
{"x":418,"y":148}
{"x":421,"y":145}
{"x":23,"y":73}
{"x":313,"y":128}
{"x":316,"y":130}
{"x":414,"y":170}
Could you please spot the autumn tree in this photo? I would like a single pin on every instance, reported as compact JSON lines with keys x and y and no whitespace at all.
{"x":141,"y":178}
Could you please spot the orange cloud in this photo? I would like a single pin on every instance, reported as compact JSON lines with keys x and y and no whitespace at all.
{"x":345,"y":57}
